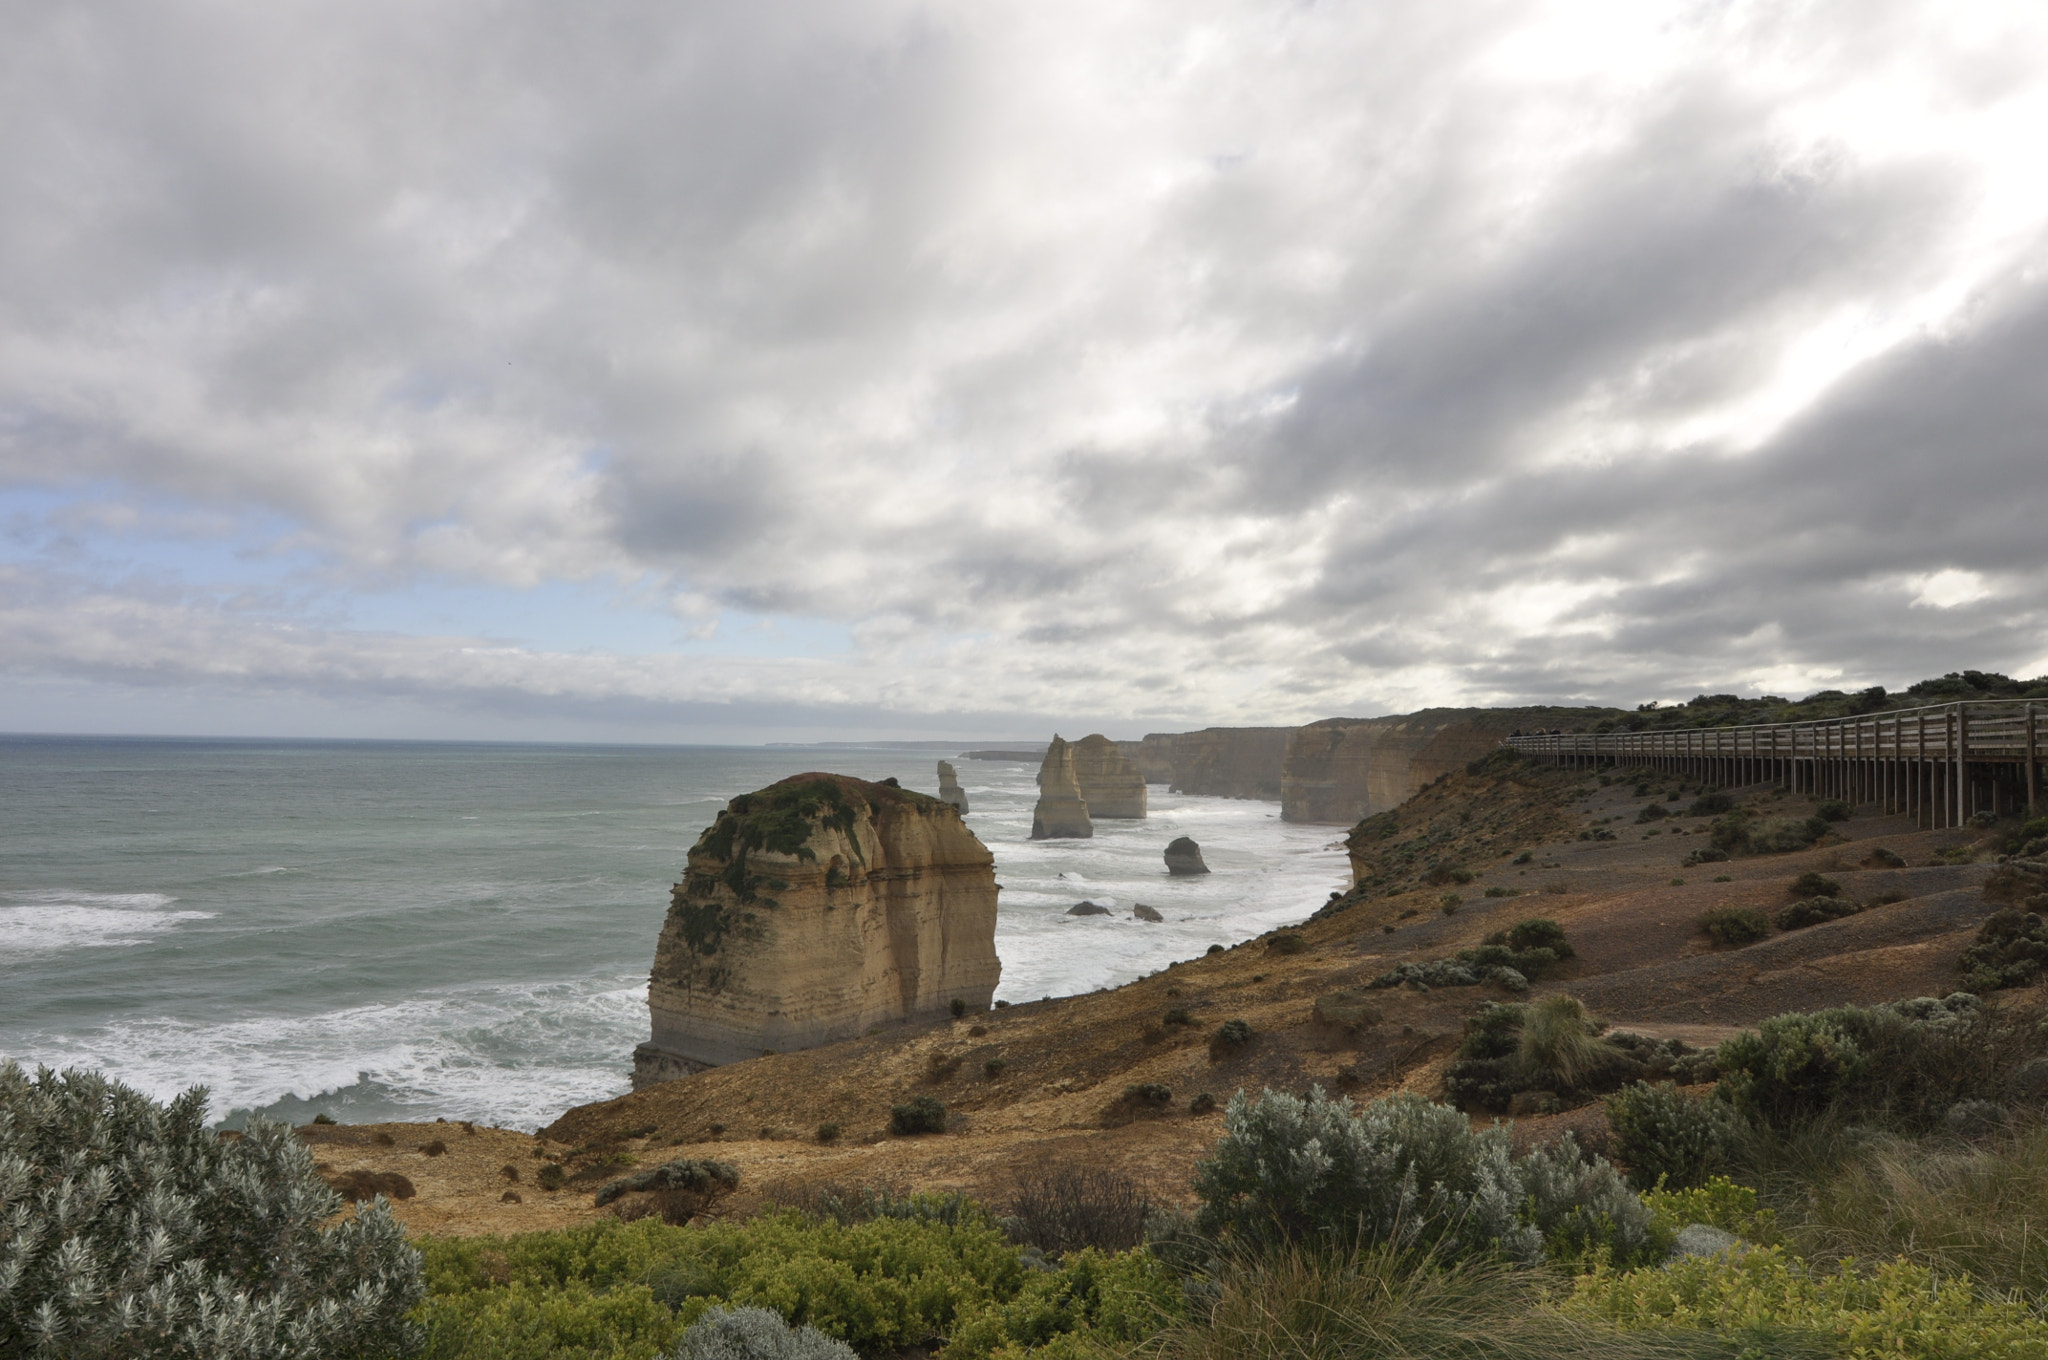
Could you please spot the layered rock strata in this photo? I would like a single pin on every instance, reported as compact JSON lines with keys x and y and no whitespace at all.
{"x":1061,"y":811}
{"x":811,"y":910}
{"x":1341,"y":769}
{"x":1183,"y":856}
{"x":1226,"y":762}
{"x":949,"y":786}
{"x":1110,"y":784}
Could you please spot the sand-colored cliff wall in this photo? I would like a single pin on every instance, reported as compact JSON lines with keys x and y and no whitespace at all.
{"x":1227,"y":762}
{"x":1110,"y":785}
{"x":1341,"y":769}
{"x":1061,"y":811}
{"x":811,"y":910}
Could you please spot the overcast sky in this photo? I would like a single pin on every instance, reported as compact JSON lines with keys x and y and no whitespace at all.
{"x":764,"y":371}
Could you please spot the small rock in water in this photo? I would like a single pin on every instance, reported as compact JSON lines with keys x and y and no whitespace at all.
{"x":1183,"y":856}
{"x":1087,"y":909}
{"x":1145,"y":913}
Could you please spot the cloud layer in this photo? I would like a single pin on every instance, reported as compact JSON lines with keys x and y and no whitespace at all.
{"x":1135,"y":363}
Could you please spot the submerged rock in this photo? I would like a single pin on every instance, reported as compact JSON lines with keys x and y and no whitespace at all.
{"x":1087,"y":909}
{"x":1183,"y":856}
{"x":1145,"y":913}
{"x":1061,"y":812}
{"x":949,"y":786}
{"x":811,"y":910}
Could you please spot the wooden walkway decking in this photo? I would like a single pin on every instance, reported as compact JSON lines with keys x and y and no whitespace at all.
{"x":1943,"y":764}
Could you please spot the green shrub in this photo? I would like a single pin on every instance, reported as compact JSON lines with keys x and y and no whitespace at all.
{"x":1559,"y":1048}
{"x":995,"y":1067}
{"x":1061,"y":1209}
{"x":682,"y":1189}
{"x":1652,"y":812}
{"x":1202,"y":1103}
{"x":828,"y":1132}
{"x":1230,"y":1035}
{"x":1498,"y":891}
{"x":1718,"y":1203}
{"x":2011,"y":950}
{"x":1147,"y":1093}
{"x":1711,"y":805}
{"x":1833,"y":810}
{"x":1449,"y":903}
{"x":129,"y":1228}
{"x":1539,"y":933}
{"x":1348,"y":1009}
{"x":921,"y":1114}
{"x":1177,"y":1015}
{"x":755,"y":1334}
{"x":551,"y":1176}
{"x":1409,"y":1174}
{"x":1667,"y":1138}
{"x":1287,"y":943}
{"x":1813,"y":884}
{"x":1896,"y":1310}
{"x":1734,"y":925}
{"x":1815,"y":911}
{"x":958,"y":1006}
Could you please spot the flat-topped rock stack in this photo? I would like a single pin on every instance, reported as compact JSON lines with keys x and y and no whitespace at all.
{"x":811,"y":910}
{"x":1061,"y":811}
{"x":949,"y":786}
{"x":1111,"y":785}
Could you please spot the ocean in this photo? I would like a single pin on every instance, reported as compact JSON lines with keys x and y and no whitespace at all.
{"x":406,"y":930}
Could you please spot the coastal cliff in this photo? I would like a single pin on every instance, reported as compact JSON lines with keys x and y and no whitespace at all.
{"x":1110,"y":785}
{"x":1225,"y":762}
{"x":811,"y":910}
{"x":1341,"y":769}
{"x":1061,"y":811}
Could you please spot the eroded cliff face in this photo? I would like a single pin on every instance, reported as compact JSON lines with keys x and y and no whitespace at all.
{"x":1341,"y":769}
{"x":1227,"y":762}
{"x":1110,"y":785}
{"x":1061,"y":811}
{"x":811,"y":910}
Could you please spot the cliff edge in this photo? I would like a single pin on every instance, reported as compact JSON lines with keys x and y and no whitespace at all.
{"x":811,"y":910}
{"x":1110,"y":784}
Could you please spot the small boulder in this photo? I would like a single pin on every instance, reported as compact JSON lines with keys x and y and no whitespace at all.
{"x":1183,"y":856}
{"x":1145,"y":913}
{"x":1087,"y":909}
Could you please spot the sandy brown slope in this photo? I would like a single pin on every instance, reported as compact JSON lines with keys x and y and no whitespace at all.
{"x":1056,"y":1096}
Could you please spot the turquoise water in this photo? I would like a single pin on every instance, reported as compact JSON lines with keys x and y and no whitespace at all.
{"x":410,"y":930}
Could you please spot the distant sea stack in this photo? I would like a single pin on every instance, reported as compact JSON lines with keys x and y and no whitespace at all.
{"x":811,"y":910}
{"x":949,"y":787}
{"x":1110,"y":784}
{"x":1061,"y":811}
{"x":1183,"y":856}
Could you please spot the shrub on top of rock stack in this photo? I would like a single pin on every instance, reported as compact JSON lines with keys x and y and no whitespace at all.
{"x":138,"y":1231}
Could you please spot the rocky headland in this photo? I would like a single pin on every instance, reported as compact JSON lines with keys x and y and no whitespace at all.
{"x":1061,"y":812}
{"x":1110,"y":784}
{"x":812,"y":910}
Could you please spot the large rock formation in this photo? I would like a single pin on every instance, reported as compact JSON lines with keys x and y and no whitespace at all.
{"x":949,"y":786}
{"x":1061,"y":811}
{"x":1341,"y":769}
{"x":811,"y":910}
{"x":1183,"y":856}
{"x":1110,"y":785}
{"x":1228,"y":762}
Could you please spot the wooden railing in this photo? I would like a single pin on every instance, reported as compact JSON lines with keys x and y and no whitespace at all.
{"x":1942,"y":764}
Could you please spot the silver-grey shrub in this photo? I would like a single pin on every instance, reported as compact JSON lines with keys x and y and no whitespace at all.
{"x":755,"y":1334}
{"x":127,"y":1228}
{"x":1408,"y":1173}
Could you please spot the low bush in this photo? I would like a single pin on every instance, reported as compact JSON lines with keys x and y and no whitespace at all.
{"x":1669,"y":1139}
{"x":1813,"y":884}
{"x":1177,"y":1015}
{"x":1491,"y":1066}
{"x":2011,"y":951}
{"x":1202,"y":1103}
{"x":1559,"y":1047}
{"x":1706,"y":854}
{"x":1833,"y":810}
{"x":551,"y":1176}
{"x":1814,"y":911}
{"x":1405,"y":1173}
{"x":921,"y":1114}
{"x":1072,"y":1208}
{"x":993,"y":1068}
{"x":1448,"y":873}
{"x":680,"y":1190}
{"x":1718,"y":1203}
{"x":1733,"y":926}
{"x":1230,"y":1036}
{"x":1348,"y":1009}
{"x":1287,"y":943}
{"x":755,"y":1334}
{"x":1898,"y":1309}
{"x":1147,"y":1093}
{"x":1711,"y":804}
{"x":1449,"y":903}
{"x":129,"y":1228}
{"x":1652,"y":812}
{"x":828,"y":1132}
{"x":1498,"y":891}
{"x":1881,"y":858}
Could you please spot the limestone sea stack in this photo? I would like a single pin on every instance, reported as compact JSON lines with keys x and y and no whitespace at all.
{"x":949,"y":786}
{"x":1061,"y":812}
{"x":1110,"y":784}
{"x":1183,"y":856}
{"x":811,"y":910}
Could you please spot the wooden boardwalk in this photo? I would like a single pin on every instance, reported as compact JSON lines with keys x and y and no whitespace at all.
{"x":1943,"y":764}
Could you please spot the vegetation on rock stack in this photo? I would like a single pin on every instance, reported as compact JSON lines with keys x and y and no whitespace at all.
{"x":128,"y":1228}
